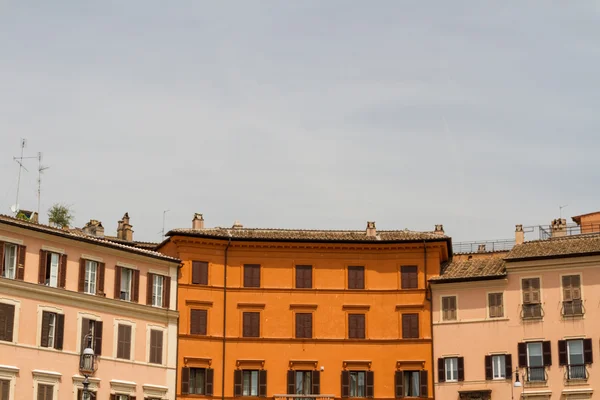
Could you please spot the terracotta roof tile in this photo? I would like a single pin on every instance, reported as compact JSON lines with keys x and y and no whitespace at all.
{"x":576,"y":245}
{"x":473,"y":269}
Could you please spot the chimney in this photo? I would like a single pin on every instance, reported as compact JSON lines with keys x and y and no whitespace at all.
{"x":94,"y":228}
{"x":198,"y":221}
{"x":124,"y":231}
{"x":439,"y":229}
{"x":519,"y":234}
{"x":481,"y":248}
{"x":237,"y":225}
{"x":559,"y":227}
{"x":371,"y":230}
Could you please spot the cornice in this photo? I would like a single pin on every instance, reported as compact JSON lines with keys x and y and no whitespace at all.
{"x":101,"y":304}
{"x":300,"y":341}
{"x":295,"y":290}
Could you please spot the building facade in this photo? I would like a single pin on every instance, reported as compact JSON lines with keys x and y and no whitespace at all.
{"x":62,"y":291}
{"x":528,"y":315}
{"x":305,"y":313}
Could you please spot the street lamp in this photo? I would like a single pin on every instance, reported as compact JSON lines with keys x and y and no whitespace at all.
{"x":517,"y":384}
{"x":87,"y":365}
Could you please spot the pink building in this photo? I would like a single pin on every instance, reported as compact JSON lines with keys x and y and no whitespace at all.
{"x":58,"y":286}
{"x":531,"y":313}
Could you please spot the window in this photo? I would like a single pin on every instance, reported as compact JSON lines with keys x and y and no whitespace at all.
{"x":575,"y":354}
{"x":356,"y":277}
{"x":198,"y":322}
{"x":356,"y":326}
{"x":304,"y":276}
{"x":251,"y":326}
{"x":124,"y":341}
{"x":357,"y":384}
{"x":498,"y":367}
{"x":52,"y":263}
{"x":52,"y":330}
{"x":4,"y":389}
{"x":303,"y":382}
{"x":250,"y":383}
{"x":572,"y":304}
{"x":91,"y":396}
{"x":10,"y":261}
{"x":449,"y":308}
{"x":121,"y":397}
{"x":411,"y":384}
{"x":126,"y":281}
{"x":535,"y":356}
{"x":91,"y":269}
{"x":197,"y":381}
{"x":158,"y":290}
{"x":532,"y":307}
{"x":410,"y":326}
{"x":200,"y":272}
{"x":251,"y":275}
{"x":156,"y":346}
{"x":91,"y":335}
{"x":45,"y":392}
{"x":409,"y":277}
{"x":304,"y":325}
{"x":7,"y":320}
{"x":451,"y":368}
{"x":496,"y":305}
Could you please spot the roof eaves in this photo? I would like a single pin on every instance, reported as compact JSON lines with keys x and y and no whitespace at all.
{"x":468,"y":278}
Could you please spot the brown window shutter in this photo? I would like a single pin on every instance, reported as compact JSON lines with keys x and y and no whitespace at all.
{"x":185,"y":380}
{"x":576,"y":287}
{"x":62,"y":272}
{"x":522,"y":352}
{"x":237,"y":382}
{"x":85,"y":330}
{"x":291,"y":381}
{"x":508,"y":366}
{"x":562,"y":352}
{"x":113,"y":397}
{"x":1,"y":258}
{"x":345,"y":384}
{"x":588,"y":355}
{"x":42,"y":269}
{"x":149,"y":279}
{"x":399,"y":384}
{"x":308,"y":326}
{"x":195,"y":272}
{"x":81,"y":283}
{"x":136,"y":286}
{"x":59,"y":331}
{"x":262,"y":383}
{"x":7,"y":313}
{"x":547,"y":350}
{"x":198,"y":322}
{"x":45,"y":328}
{"x":200,"y":272}
{"x":79,"y":394}
{"x":370,"y":384}
{"x":166,"y":292}
{"x":158,"y":347}
{"x":209,"y":377}
{"x":461,"y":369}
{"x":415,"y":326}
{"x":4,"y":387}
{"x":21,"y":263}
{"x":98,"y":338}
{"x":100,"y":278}
{"x":316,"y":382}
{"x":489,"y":374}
{"x":117,"y":293}
{"x":424,"y":380}
{"x":361,"y":326}
{"x":441,"y":370}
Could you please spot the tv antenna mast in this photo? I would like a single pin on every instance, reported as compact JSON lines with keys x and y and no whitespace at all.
{"x":19,"y":160}
{"x":162,"y":233}
{"x":560,"y":208}
{"x":41,"y":169}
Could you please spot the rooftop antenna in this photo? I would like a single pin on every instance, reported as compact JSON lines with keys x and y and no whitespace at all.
{"x":41,"y":169}
{"x":560,"y":210}
{"x":19,"y":160}
{"x":162,"y":233}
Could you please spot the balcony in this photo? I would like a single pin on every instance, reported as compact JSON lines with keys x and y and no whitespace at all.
{"x":576,"y":372}
{"x":532,"y":311}
{"x":303,"y":397}
{"x":536,"y":374}
{"x":573,"y":308}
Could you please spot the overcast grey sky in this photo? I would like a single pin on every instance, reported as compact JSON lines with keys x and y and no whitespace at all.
{"x":304,"y":114}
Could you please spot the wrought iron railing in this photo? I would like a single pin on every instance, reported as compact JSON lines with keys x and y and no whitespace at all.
{"x":573,"y":308}
{"x":532,"y":311}
{"x":483,"y":246}
{"x":577,"y":372}
{"x":536,"y":374}
{"x":544,"y":232}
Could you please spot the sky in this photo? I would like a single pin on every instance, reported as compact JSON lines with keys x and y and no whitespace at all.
{"x":305,"y":114}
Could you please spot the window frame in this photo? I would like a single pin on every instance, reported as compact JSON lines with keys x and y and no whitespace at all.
{"x":16,"y":261}
{"x":502,"y":368}
{"x":50,"y":266}
{"x":350,"y":316}
{"x":161,"y":329}
{"x":351,"y":271}
{"x":203,"y":311}
{"x":202,"y":277}
{"x":16,"y":305}
{"x":357,"y":389}
{"x":415,"y":320}
{"x":88,"y":282}
{"x":249,"y":314}
{"x":407,"y":285}
{"x":129,"y":291}
{"x":453,"y":370}
{"x":406,"y":388}
{"x":489,"y":306}
{"x":257,"y":386}
{"x":304,"y":268}
{"x":132,"y":326}
{"x":157,"y":295}
{"x":251,"y":281}
{"x":304,"y":314}
{"x":194,"y":371}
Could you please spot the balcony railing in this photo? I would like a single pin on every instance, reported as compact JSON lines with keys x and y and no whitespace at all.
{"x":532,"y":311}
{"x":577,"y":372}
{"x":573,"y":308}
{"x":536,"y":374}
{"x":483,"y":246}
{"x":303,"y":397}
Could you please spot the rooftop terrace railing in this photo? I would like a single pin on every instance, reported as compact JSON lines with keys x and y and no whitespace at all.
{"x":483,"y":246}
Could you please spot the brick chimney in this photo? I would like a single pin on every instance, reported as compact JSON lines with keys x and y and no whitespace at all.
{"x":237,"y":225}
{"x":439,"y":229}
{"x":124,"y":231}
{"x":198,"y":221}
{"x":519,"y":234}
{"x":371,"y":230}
{"x":559,"y":227}
{"x":481,"y":248}
{"x":94,"y":228}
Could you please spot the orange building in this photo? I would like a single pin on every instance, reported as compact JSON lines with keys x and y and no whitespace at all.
{"x":306,"y":312}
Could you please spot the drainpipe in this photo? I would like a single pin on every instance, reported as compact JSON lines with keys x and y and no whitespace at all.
{"x":429,"y":299}
{"x":224,"y":316}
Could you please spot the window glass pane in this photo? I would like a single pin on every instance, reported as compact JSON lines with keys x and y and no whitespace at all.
{"x":534,"y":352}
{"x":157,"y":291}
{"x":126,"y":284}
{"x":52,"y":279}
{"x":361,"y":384}
{"x":254,"y":384}
{"x":575,"y":349}
{"x":197,"y":380}
{"x":451,"y":369}
{"x":10,"y":261}
{"x":415,"y":384}
{"x":353,"y":384}
{"x":499,"y":367}
{"x":90,"y":277}
{"x":51,"y":329}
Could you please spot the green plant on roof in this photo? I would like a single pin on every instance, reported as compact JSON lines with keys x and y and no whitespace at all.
{"x":60,"y":215}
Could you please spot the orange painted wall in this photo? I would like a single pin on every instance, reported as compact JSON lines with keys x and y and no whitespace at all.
{"x":276,"y":301}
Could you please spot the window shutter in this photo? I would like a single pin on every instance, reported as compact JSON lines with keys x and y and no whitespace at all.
{"x":262,"y":383}
{"x":195,"y":272}
{"x":308,"y":326}
{"x":135,"y":296}
{"x":316,"y":382}
{"x":62,"y":272}
{"x":453,"y":307}
{"x":566,"y":284}
{"x":588,"y":355}
{"x":488,"y":368}
{"x":100,"y":278}
{"x":461,"y":369}
{"x":113,"y":397}
{"x":547,"y":350}
{"x":149,"y":281}
{"x":81,"y":283}
{"x":415,"y":326}
{"x":9,"y":312}
{"x":424,"y":383}
{"x":209,"y":381}
{"x":370,"y":384}
{"x":1,"y":258}
{"x":21,"y":262}
{"x":85,"y":329}
{"x":522,"y":351}
{"x":185,"y":380}
{"x":117,"y":282}
{"x":45,"y":328}
{"x":166,"y":292}
{"x":291,"y":381}
{"x":562,"y":352}
{"x":399,"y":384}
{"x":59,"y":332}
{"x":508,"y":366}
{"x":345,"y":383}
{"x":299,"y":325}
{"x":42,"y":269}
{"x":98,"y":338}
{"x":441,"y":370}
{"x":445,"y":309}
{"x":576,"y":287}
{"x":237,"y":382}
